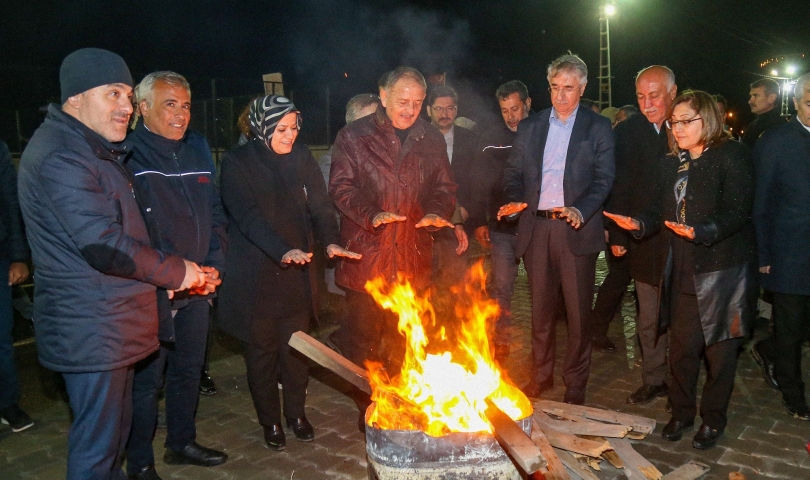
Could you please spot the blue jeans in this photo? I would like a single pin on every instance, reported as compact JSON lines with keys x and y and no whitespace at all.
{"x":102,"y":416}
{"x":183,"y":361}
{"x":9,"y":386}
{"x":502,"y":281}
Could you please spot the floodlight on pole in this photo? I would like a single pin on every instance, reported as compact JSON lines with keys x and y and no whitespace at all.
{"x":775,"y":73}
{"x":791,"y":69}
{"x":605,"y":77}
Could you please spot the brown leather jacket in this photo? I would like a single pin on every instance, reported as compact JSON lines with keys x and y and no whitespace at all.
{"x":371,"y":173}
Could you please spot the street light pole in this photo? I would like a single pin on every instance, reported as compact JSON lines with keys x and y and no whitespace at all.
{"x":605,"y":77}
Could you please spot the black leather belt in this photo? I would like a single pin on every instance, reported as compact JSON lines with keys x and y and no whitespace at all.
{"x":550,"y":214}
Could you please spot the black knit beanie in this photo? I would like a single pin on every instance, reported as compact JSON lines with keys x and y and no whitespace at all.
{"x":88,"y":68}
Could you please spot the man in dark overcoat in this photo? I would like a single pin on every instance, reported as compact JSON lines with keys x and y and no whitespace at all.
{"x":782,"y":222}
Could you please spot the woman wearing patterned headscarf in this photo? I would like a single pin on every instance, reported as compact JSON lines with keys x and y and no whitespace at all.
{"x":278,"y":208}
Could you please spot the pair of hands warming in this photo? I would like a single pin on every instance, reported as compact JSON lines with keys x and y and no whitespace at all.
{"x":300,"y":257}
{"x":571,"y":215}
{"x":630,"y":223}
{"x":430,"y":222}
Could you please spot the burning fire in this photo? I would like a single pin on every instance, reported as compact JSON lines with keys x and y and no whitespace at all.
{"x":442,"y":391}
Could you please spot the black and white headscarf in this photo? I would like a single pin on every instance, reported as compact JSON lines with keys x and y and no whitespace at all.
{"x":266,"y":112}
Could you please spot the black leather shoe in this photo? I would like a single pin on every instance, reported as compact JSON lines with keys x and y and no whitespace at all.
{"x":301,"y":428}
{"x":207,"y":385}
{"x":647,"y":393}
{"x":274,"y":437}
{"x":673,"y":431}
{"x":575,"y":396}
{"x":706,"y":437}
{"x":765,"y":362}
{"x":799,"y":410}
{"x":146,"y":473}
{"x":603,"y":343}
{"x":534,"y":390}
{"x":195,"y":454}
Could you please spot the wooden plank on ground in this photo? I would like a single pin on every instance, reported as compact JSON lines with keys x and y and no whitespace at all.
{"x":609,"y":455}
{"x":328,"y":358}
{"x":566,"y":441}
{"x":633,"y":461}
{"x":514,"y":440}
{"x":639,"y":424}
{"x":583,"y":426}
{"x":554,"y":468}
{"x":569,"y":461}
{"x":689,"y":471}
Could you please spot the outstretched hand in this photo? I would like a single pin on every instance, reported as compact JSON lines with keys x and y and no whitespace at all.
{"x":511,"y":209}
{"x":571,"y":215}
{"x":386,"y":217}
{"x":681,"y":229}
{"x":433,"y":222}
{"x":627,"y":223}
{"x":296,"y":256}
{"x":337,"y":251}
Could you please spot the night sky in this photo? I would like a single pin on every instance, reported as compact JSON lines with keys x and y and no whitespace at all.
{"x":713,"y":45}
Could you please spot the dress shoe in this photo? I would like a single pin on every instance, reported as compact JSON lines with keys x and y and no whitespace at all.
{"x":574,"y":395}
{"x":647,"y":393}
{"x":534,"y":390}
{"x":603,"y":343}
{"x":766,"y":363}
{"x":301,"y":428}
{"x":146,"y":473}
{"x":673,"y":431}
{"x":195,"y":454}
{"x":798,"y":410}
{"x":706,"y":437}
{"x":207,"y":385}
{"x":274,"y":437}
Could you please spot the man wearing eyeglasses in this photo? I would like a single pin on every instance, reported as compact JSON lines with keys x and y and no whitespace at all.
{"x":559,"y":174}
{"x":641,"y":142}
{"x":450,"y":246}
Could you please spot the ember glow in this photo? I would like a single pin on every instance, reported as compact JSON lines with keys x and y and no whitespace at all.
{"x":444,"y":388}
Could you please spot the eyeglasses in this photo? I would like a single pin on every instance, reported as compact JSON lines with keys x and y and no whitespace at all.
{"x":567,"y":90}
{"x":441,"y":110}
{"x":671,"y":124}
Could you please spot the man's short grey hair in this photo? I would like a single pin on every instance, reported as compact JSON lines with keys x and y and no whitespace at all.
{"x":404,"y":72}
{"x":570,"y":63}
{"x":802,"y":85}
{"x":769,"y":84}
{"x":669,"y":74}
{"x":145,"y":89}
{"x":358,"y":103}
{"x":628,"y":110}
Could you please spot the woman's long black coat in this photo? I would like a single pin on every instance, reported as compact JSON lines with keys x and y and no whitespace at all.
{"x":720,"y":197}
{"x":275,"y":203}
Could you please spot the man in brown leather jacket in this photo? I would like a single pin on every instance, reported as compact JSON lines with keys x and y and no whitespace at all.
{"x":391,"y":182}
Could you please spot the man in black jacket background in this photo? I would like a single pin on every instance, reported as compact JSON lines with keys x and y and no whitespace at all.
{"x":14,"y":256}
{"x":174,"y":182}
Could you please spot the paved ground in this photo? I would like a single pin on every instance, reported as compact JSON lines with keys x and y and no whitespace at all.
{"x":761,"y":440}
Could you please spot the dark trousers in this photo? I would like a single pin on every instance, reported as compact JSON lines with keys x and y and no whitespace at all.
{"x":449,"y":268}
{"x":501,"y":282}
{"x":269,"y":357}
{"x":687,"y":348}
{"x":367,"y":332}
{"x":102,"y":415}
{"x":9,"y":386}
{"x":562,"y":287}
{"x":791,"y":318}
{"x":182,"y":360}
{"x":610,"y":294}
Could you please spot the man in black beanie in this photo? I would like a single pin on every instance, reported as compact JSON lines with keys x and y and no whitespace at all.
{"x":95,"y":304}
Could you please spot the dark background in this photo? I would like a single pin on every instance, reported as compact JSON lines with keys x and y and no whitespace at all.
{"x":345,"y":46}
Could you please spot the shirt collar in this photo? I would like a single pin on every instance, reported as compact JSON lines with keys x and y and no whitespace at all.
{"x":569,"y":121}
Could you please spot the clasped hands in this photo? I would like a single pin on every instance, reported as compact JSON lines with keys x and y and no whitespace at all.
{"x":199,"y":280}
{"x":570,"y":214}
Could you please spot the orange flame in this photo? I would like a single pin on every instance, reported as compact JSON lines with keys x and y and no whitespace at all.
{"x":444,"y":391}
